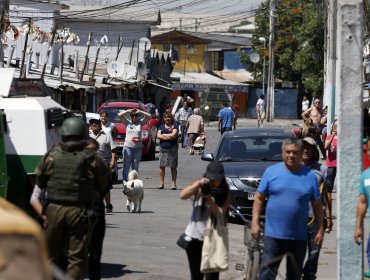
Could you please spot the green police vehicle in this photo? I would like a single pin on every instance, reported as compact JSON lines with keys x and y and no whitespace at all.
{"x":30,"y":122}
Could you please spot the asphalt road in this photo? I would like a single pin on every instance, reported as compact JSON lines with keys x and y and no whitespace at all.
{"x":143,"y":246}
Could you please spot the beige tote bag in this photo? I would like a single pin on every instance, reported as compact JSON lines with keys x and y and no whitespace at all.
{"x":215,"y":250}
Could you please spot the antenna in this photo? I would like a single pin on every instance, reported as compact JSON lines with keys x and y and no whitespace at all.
{"x":129,"y":71}
{"x":254,"y":57}
{"x":144,"y":44}
{"x":115,"y":68}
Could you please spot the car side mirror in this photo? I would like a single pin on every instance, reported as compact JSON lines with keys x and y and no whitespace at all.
{"x":208,"y":157}
{"x":153,"y":122}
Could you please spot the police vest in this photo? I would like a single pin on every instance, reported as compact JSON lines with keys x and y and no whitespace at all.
{"x":72,"y":181}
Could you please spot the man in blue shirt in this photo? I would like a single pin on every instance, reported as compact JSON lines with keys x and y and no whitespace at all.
{"x":290,"y":187}
{"x":226,"y":118}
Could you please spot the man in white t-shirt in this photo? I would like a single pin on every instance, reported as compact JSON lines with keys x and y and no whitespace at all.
{"x":260,"y":109}
{"x":305,"y":104}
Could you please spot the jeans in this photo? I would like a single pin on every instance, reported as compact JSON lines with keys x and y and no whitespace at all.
{"x":131,"y":158}
{"x":310,"y":268}
{"x":194,"y":252}
{"x":331,"y":173}
{"x":223,"y":129}
{"x":368,"y":251}
{"x":182,"y":132}
{"x":273,"y":252}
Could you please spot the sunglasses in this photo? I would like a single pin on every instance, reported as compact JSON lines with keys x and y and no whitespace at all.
{"x":133,"y":115}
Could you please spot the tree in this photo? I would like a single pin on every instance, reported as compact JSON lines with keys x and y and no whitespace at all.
{"x":299,"y":44}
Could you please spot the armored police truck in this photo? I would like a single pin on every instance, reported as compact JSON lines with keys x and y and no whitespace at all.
{"x":30,"y":121}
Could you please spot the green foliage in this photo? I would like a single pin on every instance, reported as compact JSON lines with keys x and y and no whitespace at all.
{"x":299,"y":43}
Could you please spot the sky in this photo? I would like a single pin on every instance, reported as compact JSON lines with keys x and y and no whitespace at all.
{"x":207,"y":15}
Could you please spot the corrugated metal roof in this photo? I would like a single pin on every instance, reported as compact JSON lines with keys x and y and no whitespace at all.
{"x":240,"y":76}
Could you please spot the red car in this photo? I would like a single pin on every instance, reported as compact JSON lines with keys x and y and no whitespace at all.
{"x":149,"y":131}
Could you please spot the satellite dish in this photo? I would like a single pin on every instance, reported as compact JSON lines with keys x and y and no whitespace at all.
{"x":115,"y":68}
{"x":128,"y":72}
{"x":144,"y":44}
{"x":141,"y":68}
{"x":254,"y":57}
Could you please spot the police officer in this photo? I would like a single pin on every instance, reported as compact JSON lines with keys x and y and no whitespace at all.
{"x":72,"y":177}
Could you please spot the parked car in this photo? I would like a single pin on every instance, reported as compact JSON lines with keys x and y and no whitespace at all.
{"x":245,"y":154}
{"x":149,"y":130}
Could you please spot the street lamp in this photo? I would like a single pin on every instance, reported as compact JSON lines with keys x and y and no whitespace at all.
{"x":262,"y":39}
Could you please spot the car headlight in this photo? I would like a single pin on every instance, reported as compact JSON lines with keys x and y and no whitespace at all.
{"x":145,"y":134}
{"x":230,"y":183}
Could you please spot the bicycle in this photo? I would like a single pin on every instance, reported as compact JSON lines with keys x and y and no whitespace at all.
{"x":254,"y":249}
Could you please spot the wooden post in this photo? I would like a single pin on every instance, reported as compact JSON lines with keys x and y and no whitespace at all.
{"x":86,"y":57}
{"x":48,"y":53}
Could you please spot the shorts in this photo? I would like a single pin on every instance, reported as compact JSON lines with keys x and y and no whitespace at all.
{"x":261,"y":115}
{"x":169,"y":157}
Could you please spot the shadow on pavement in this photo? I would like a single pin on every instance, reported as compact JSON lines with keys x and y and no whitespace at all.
{"x":115,"y":270}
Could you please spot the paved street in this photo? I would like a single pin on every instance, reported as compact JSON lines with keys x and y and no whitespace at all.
{"x":143,"y":246}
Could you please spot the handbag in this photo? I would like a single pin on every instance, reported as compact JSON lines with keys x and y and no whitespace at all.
{"x":215,"y":250}
{"x":184,"y":241}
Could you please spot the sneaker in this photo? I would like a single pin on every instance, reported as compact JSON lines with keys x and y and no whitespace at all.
{"x":109,"y":208}
{"x":367,"y":274}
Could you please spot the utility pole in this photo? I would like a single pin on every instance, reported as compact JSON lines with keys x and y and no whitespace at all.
{"x":349,"y":152}
{"x":3,"y":26}
{"x":271,"y":78}
{"x":331,"y":61}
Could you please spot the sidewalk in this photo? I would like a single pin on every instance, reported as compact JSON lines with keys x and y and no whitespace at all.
{"x":246,"y":122}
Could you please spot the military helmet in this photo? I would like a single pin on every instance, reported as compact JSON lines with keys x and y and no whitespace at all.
{"x":73,"y":127}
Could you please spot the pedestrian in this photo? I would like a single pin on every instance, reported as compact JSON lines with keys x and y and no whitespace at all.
{"x":305,"y":103}
{"x":106,"y":149}
{"x":108,"y":126}
{"x":182,"y":117}
{"x":226,"y":118}
{"x":72,"y":176}
{"x":132,"y":148}
{"x":290,"y":187}
{"x":260,"y":109}
{"x":168,"y":149}
{"x":315,"y":113}
{"x":331,"y":143}
{"x":151,"y":108}
{"x":96,"y":239}
{"x":310,"y":159}
{"x":208,"y":194}
{"x":236,"y":112}
{"x":362,"y":206}
{"x":194,"y":127}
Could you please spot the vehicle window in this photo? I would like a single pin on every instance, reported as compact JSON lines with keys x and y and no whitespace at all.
{"x":112,"y":113}
{"x":251,"y":148}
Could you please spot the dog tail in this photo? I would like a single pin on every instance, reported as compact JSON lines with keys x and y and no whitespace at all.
{"x":133,"y":175}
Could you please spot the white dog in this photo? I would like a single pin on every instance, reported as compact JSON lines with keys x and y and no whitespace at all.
{"x":134,"y":189}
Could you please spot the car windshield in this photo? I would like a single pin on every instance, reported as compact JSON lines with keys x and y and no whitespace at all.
{"x":259,"y":148}
{"x":112,"y":113}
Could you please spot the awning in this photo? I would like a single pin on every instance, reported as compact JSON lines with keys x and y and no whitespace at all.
{"x":204,"y":81}
{"x":239,"y":76}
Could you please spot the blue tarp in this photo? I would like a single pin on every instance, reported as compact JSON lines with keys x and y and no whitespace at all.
{"x":285,"y":103}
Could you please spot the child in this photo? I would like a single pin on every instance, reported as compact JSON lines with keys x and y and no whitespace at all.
{"x":362,"y":206}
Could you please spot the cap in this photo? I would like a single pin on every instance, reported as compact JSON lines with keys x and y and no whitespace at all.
{"x":215,"y":171}
{"x":94,"y":119}
{"x":309,"y":141}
